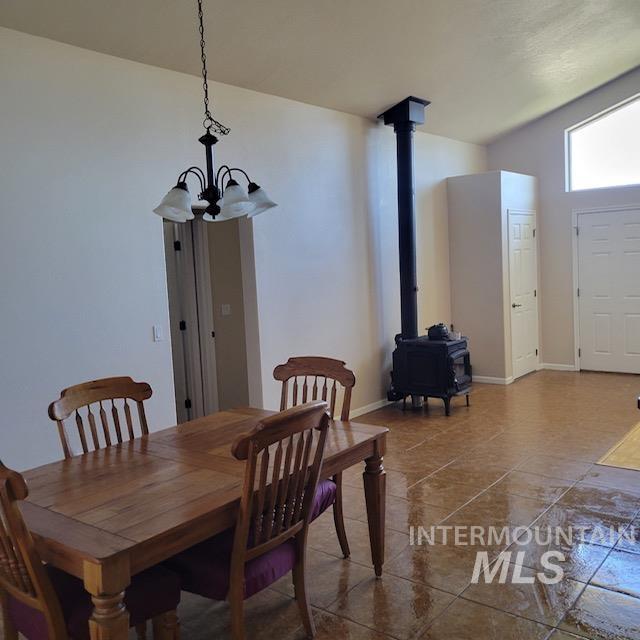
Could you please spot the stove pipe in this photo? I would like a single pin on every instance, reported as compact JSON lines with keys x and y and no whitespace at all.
{"x":404,"y":117}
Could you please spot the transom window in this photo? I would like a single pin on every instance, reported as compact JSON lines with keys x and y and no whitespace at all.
{"x":605,"y":150}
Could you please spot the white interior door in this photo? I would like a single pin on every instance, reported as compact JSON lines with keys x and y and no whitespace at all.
{"x":609,"y":290}
{"x":523,"y":286}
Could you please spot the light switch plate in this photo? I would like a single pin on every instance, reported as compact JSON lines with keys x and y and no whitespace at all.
{"x":157,"y":333}
{"x":225,"y":309}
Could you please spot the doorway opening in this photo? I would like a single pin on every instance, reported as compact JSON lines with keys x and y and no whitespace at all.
{"x":206,"y":312}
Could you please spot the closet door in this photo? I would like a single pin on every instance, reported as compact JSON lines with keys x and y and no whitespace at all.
{"x":523,"y":285}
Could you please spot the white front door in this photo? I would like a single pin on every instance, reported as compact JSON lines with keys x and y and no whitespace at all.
{"x":523,"y":285}
{"x":609,"y":290}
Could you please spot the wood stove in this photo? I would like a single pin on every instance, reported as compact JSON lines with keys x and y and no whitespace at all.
{"x":421,"y":367}
{"x":431,"y":368}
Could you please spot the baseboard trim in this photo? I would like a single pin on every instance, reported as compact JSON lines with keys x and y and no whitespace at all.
{"x":492,"y":380}
{"x":550,"y":366}
{"x":355,"y":413}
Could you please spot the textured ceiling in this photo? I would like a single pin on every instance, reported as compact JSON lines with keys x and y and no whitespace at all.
{"x":486,"y":65}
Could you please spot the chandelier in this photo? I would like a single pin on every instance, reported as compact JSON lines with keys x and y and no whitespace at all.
{"x":221,"y":196}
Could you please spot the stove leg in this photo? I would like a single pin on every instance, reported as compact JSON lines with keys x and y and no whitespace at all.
{"x":447,"y":406}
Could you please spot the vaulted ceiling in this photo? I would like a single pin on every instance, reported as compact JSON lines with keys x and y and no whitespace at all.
{"x":486,"y":65}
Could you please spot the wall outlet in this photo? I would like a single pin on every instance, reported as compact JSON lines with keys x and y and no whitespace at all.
{"x":157,"y":333}
{"x":225,"y":309}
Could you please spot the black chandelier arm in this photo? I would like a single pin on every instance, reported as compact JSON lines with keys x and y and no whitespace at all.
{"x":228,"y":174}
{"x":224,"y":168}
{"x":242,"y":171}
{"x":195,"y":171}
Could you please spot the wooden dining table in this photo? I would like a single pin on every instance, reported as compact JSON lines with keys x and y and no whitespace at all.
{"x":109,"y":514}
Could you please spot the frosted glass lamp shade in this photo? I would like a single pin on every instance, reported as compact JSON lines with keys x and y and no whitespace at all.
{"x":260,"y":200}
{"x":176,"y":205}
{"x":235,"y":202}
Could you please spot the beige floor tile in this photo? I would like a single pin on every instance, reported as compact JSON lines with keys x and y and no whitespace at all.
{"x":606,"y":500}
{"x":601,"y":614}
{"x":472,"y":473}
{"x":406,"y":438}
{"x":329,"y":578}
{"x":447,"y":567}
{"x":322,"y":536}
{"x":417,"y":460}
{"x":586,"y":450}
{"x":625,"y":479}
{"x":353,"y":502}
{"x":402,"y":514}
{"x":497,"y":509}
{"x":331,"y":627}
{"x":531,"y":485}
{"x":465,"y":620}
{"x":495,"y":454}
{"x":546,"y":603}
{"x":620,"y":572}
{"x":392,"y":605}
{"x":591,"y":526}
{"x":553,"y":467}
{"x":322,"y":529}
{"x":630,"y":540}
{"x":579,"y":561}
{"x":442,"y":493}
{"x":398,"y":482}
{"x":268,"y":615}
{"x":563,"y":635}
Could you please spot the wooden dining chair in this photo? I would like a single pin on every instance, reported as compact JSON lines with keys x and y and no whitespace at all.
{"x":102,"y":400}
{"x":309,"y":378}
{"x":44,"y":603}
{"x":281,"y":495}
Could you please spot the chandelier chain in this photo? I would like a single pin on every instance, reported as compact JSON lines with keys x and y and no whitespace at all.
{"x":209,"y":121}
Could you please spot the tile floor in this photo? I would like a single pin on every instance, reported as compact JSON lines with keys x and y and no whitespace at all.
{"x":520,"y":456}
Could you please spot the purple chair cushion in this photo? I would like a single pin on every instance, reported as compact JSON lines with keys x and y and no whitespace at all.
{"x":205,"y":568}
{"x":324,"y":498}
{"x":150,"y":593}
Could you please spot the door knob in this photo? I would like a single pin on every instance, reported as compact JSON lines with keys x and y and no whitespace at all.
{"x":514,"y":305}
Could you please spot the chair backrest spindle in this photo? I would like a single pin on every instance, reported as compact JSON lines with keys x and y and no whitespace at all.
{"x":92,"y":396}
{"x":283,"y":456}
{"x":335,"y":378}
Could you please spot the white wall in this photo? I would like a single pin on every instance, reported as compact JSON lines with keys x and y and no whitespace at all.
{"x":476,"y":246}
{"x":327,"y":259}
{"x":539,"y":149}
{"x":89,"y":145}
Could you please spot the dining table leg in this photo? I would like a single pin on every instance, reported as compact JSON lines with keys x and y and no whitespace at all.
{"x":107,"y":583}
{"x":375,"y":495}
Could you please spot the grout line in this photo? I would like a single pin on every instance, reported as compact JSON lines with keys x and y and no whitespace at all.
{"x":432,"y":622}
{"x":515,"y":615}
